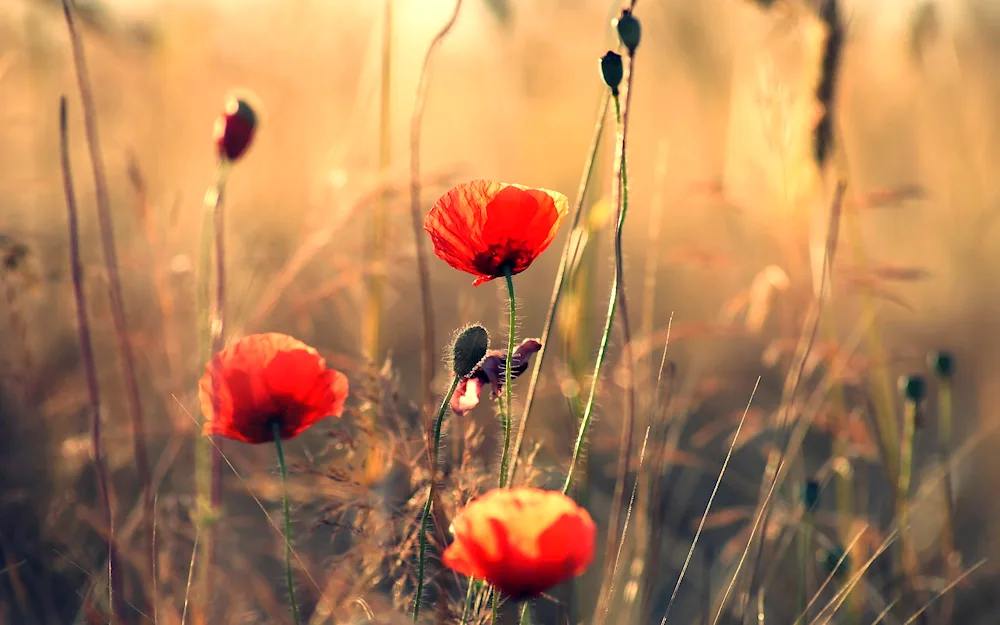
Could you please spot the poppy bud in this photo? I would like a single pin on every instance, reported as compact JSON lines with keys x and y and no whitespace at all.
{"x":942,"y":363}
{"x":612,"y":70}
{"x":469,"y":350}
{"x":234,"y":130}
{"x":810,"y":495}
{"x":913,"y":387}
{"x":629,"y":31}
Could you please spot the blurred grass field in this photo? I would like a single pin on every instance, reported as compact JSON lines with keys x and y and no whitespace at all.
{"x":724,"y":216}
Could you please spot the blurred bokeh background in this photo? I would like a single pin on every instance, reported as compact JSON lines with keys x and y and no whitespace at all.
{"x":720,"y":225}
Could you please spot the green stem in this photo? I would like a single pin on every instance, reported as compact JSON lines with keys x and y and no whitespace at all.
{"x":288,"y":523}
{"x":805,"y":544}
{"x":496,"y":607}
{"x":469,"y":594}
{"x":508,"y":408}
{"x":426,"y":515}
{"x":588,"y":412}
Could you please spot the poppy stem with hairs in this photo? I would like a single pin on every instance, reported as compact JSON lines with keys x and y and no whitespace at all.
{"x":588,"y":411}
{"x":288,"y":523}
{"x":508,"y":409}
{"x":426,"y":515}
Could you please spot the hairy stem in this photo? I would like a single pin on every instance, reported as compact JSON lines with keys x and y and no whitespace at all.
{"x":426,"y":515}
{"x":588,"y":411}
{"x":508,"y":408}
{"x":276,"y":427}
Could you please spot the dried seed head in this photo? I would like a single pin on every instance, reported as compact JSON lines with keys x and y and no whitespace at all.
{"x":810,"y":494}
{"x":235,"y":128}
{"x":612,"y":70}
{"x":469,"y":349}
{"x":629,"y":31}
{"x":913,"y":387}
{"x":942,"y":363}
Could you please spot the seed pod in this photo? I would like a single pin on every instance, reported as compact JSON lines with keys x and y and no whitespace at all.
{"x":612,"y":70}
{"x":942,"y":363}
{"x":913,"y":387}
{"x":629,"y":31}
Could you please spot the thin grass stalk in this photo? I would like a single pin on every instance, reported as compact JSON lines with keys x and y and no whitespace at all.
{"x":426,"y":514}
{"x":906,"y":562}
{"x":289,"y":580}
{"x":944,"y":439}
{"x":805,"y":540}
{"x":620,"y":200}
{"x":423,"y":272}
{"x":87,"y":356}
{"x":561,"y":275}
{"x":110,"y":251}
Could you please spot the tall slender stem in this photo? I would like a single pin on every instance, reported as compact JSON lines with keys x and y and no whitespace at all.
{"x":423,"y":273}
{"x":276,"y":427}
{"x":903,"y":484}
{"x":561,"y":276}
{"x":508,"y":408}
{"x":87,"y":355}
{"x":588,"y":411}
{"x":426,"y":515}
{"x":124,"y":342}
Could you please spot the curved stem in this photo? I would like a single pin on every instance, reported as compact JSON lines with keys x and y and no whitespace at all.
{"x":508,"y":408}
{"x":588,"y":411}
{"x":288,"y":524}
{"x":426,"y":515}
{"x":561,"y":275}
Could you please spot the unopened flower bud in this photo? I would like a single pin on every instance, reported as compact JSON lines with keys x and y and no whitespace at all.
{"x":234,"y":129}
{"x":629,"y":31}
{"x":810,"y":495}
{"x":612,"y":70}
{"x":469,"y":349}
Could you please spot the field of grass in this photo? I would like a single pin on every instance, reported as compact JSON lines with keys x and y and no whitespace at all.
{"x":795,"y":416}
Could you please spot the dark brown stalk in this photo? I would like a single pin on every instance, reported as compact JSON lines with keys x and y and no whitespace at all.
{"x":561,"y":274}
{"x":87,"y":355}
{"x":423,"y":273}
{"x":620,"y":199}
{"x":114,"y":280}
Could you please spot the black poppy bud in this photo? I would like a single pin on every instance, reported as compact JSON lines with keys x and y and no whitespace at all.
{"x":629,"y":31}
{"x":810,"y":495}
{"x":234,"y":129}
{"x":913,"y":387}
{"x":612,"y":70}
{"x":469,"y":349}
{"x":942,"y":363}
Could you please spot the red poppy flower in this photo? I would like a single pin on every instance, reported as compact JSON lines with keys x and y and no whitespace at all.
{"x":484,"y":227}
{"x":522,"y":540}
{"x":267,"y":379}
{"x":234,"y":130}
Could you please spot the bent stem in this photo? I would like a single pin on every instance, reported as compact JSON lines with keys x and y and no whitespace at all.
{"x":288,"y":523}
{"x":507,"y":409}
{"x":588,"y":411}
{"x":426,"y":515}
{"x":561,"y":276}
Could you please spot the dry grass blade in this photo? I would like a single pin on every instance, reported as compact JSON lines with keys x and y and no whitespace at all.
{"x":708,"y":508}
{"x":841,"y":596}
{"x":831,"y":576}
{"x":948,"y":587}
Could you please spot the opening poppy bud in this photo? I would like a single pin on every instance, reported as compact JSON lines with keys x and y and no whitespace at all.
{"x":913,"y":387}
{"x":234,"y":130}
{"x":469,"y":350}
{"x":629,"y":31}
{"x":943,"y":364}
{"x":612,"y":70}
